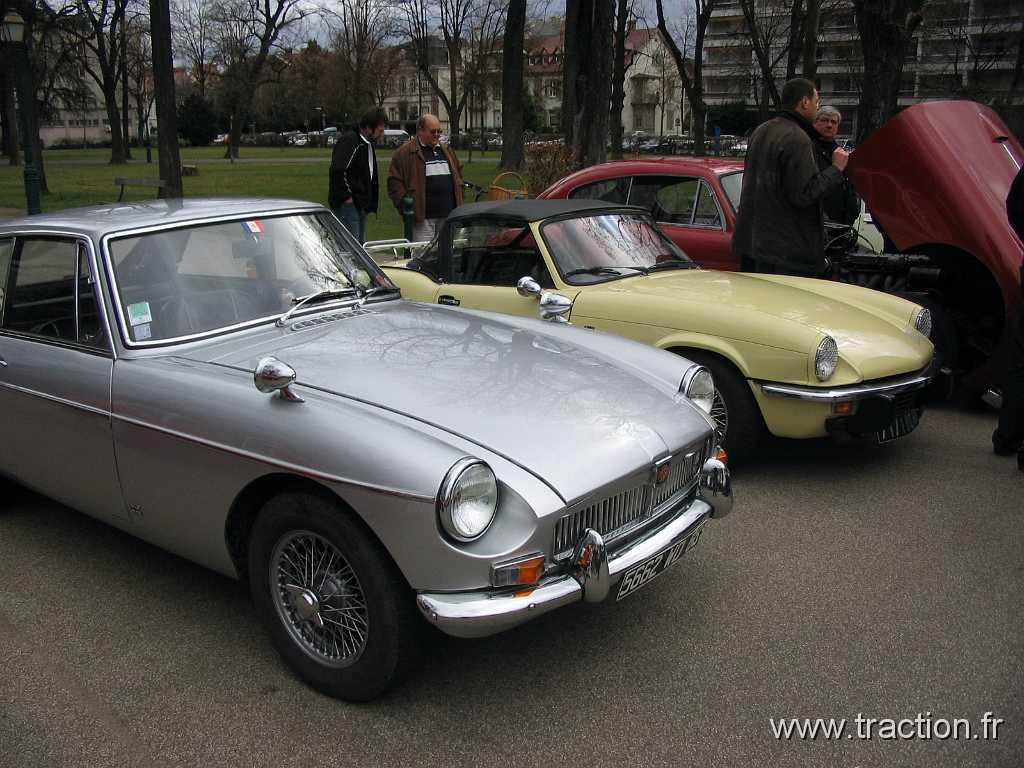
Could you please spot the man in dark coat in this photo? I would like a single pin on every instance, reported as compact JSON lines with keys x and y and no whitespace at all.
{"x":779,"y":226}
{"x":1009,"y":435}
{"x":841,"y":205}
{"x":354,"y":186}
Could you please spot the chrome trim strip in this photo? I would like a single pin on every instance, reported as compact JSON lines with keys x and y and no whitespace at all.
{"x":853,"y":392}
{"x":298,"y":469}
{"x":53,"y":398}
{"x":478,"y":614}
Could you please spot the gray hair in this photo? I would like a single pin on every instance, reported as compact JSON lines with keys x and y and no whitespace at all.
{"x":829,"y":111}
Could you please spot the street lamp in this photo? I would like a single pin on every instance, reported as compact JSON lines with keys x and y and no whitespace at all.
{"x":12,"y":33}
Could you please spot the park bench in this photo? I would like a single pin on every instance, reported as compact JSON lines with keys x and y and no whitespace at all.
{"x":148,"y":182}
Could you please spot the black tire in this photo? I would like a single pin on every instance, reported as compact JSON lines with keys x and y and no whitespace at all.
{"x":745,"y":425}
{"x":365,"y":591}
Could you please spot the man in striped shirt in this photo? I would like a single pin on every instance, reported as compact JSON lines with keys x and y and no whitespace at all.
{"x":428,"y":172}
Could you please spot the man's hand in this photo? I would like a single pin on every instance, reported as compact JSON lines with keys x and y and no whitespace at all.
{"x":839,"y":158}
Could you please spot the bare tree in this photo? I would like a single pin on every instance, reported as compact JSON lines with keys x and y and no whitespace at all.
{"x":470,"y":30}
{"x":809,"y":34}
{"x":361,"y":31}
{"x":587,"y":73}
{"x":139,"y":67}
{"x":623,"y":14}
{"x":166,"y":108}
{"x":99,"y":32}
{"x":193,"y":39}
{"x":247,"y":34}
{"x":693,"y":86}
{"x":512,"y":86}
{"x":886,"y":29}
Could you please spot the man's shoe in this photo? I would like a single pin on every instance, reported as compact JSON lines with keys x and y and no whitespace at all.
{"x":1003,"y":447}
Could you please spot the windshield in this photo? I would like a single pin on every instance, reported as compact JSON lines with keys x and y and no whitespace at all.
{"x":593,"y":249}
{"x":201,"y":278}
{"x":732,"y":183}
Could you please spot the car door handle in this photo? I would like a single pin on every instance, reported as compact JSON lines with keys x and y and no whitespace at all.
{"x":448,"y":300}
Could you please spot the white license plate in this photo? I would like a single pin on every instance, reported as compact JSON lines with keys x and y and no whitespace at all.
{"x":644,"y":573}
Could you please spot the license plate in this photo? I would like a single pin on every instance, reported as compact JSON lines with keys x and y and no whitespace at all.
{"x":904,"y":423}
{"x":642,"y":574}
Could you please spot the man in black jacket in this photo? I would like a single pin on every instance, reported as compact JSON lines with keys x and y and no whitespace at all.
{"x":779,"y":226}
{"x":354,"y":185}
{"x":1009,"y":435}
{"x":841,"y":205}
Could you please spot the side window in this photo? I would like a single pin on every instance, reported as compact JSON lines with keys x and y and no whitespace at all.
{"x":610,"y":190}
{"x":41,"y":297}
{"x":670,"y":199}
{"x":707,"y":214}
{"x":495,"y":253}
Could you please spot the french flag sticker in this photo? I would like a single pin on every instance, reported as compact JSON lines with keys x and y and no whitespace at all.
{"x":253,"y":227}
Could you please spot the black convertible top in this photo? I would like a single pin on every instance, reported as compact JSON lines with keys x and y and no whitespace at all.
{"x":532,"y":210}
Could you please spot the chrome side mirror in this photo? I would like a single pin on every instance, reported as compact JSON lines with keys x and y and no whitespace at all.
{"x":528,"y":287}
{"x":554,"y":307}
{"x":271,"y":375}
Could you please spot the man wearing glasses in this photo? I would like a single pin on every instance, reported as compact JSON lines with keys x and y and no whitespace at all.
{"x":779,"y":225}
{"x":428,"y":172}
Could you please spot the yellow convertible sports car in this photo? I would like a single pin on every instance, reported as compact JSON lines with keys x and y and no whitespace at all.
{"x":799,"y":357}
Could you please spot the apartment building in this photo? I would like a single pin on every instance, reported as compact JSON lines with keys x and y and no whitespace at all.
{"x":964,"y":49}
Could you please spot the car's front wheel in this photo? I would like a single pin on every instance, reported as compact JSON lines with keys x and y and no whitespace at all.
{"x":738,"y":422}
{"x":337,"y":609}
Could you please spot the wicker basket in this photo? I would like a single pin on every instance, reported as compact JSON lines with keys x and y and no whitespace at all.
{"x":507,"y":186}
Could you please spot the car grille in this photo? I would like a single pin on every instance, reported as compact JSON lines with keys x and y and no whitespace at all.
{"x":615,"y":516}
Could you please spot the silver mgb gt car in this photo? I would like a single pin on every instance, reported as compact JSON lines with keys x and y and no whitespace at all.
{"x":237,"y":382}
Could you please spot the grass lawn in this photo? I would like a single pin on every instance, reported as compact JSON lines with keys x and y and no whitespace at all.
{"x":83,"y":177}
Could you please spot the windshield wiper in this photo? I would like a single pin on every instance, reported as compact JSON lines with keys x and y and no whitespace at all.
{"x":367,"y":293}
{"x":602,"y":271}
{"x":672,"y":264}
{"x":326,"y":293}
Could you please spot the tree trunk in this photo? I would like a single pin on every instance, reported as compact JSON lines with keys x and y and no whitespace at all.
{"x":810,"y":33}
{"x":570,"y":69}
{"x":619,"y":79}
{"x":886,"y":28}
{"x":512,"y":87}
{"x":125,"y":113}
{"x":114,"y":118}
{"x":593,"y":38}
{"x":163,"y":88}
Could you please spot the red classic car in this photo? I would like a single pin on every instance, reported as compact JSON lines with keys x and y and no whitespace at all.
{"x":935,"y":178}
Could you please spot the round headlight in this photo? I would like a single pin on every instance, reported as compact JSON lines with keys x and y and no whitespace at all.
{"x":826,"y":358}
{"x":699,"y":386}
{"x":923,"y":322}
{"x":467,"y":500}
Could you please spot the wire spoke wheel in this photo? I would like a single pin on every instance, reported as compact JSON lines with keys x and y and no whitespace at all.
{"x":720,"y":417}
{"x":319,"y":599}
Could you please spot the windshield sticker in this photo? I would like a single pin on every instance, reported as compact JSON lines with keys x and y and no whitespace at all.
{"x":143,"y":332}
{"x":139,"y":313}
{"x":254,"y":228}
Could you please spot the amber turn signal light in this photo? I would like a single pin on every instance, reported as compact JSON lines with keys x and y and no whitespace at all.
{"x":842,"y":409}
{"x":527,"y":570}
{"x":722,"y":456}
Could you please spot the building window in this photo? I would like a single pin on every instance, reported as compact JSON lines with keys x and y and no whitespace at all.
{"x":553,"y":89}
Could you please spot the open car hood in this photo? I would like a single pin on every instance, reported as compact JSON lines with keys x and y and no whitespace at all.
{"x":937,"y":174}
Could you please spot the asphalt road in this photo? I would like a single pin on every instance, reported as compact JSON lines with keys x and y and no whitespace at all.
{"x":850,"y":579}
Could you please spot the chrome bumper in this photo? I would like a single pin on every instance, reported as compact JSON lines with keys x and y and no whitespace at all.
{"x":592,"y":571}
{"x":908,"y":383}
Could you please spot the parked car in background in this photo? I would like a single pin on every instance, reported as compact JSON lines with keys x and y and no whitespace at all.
{"x":235,"y":381}
{"x":796,"y":357}
{"x":394,"y":137}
